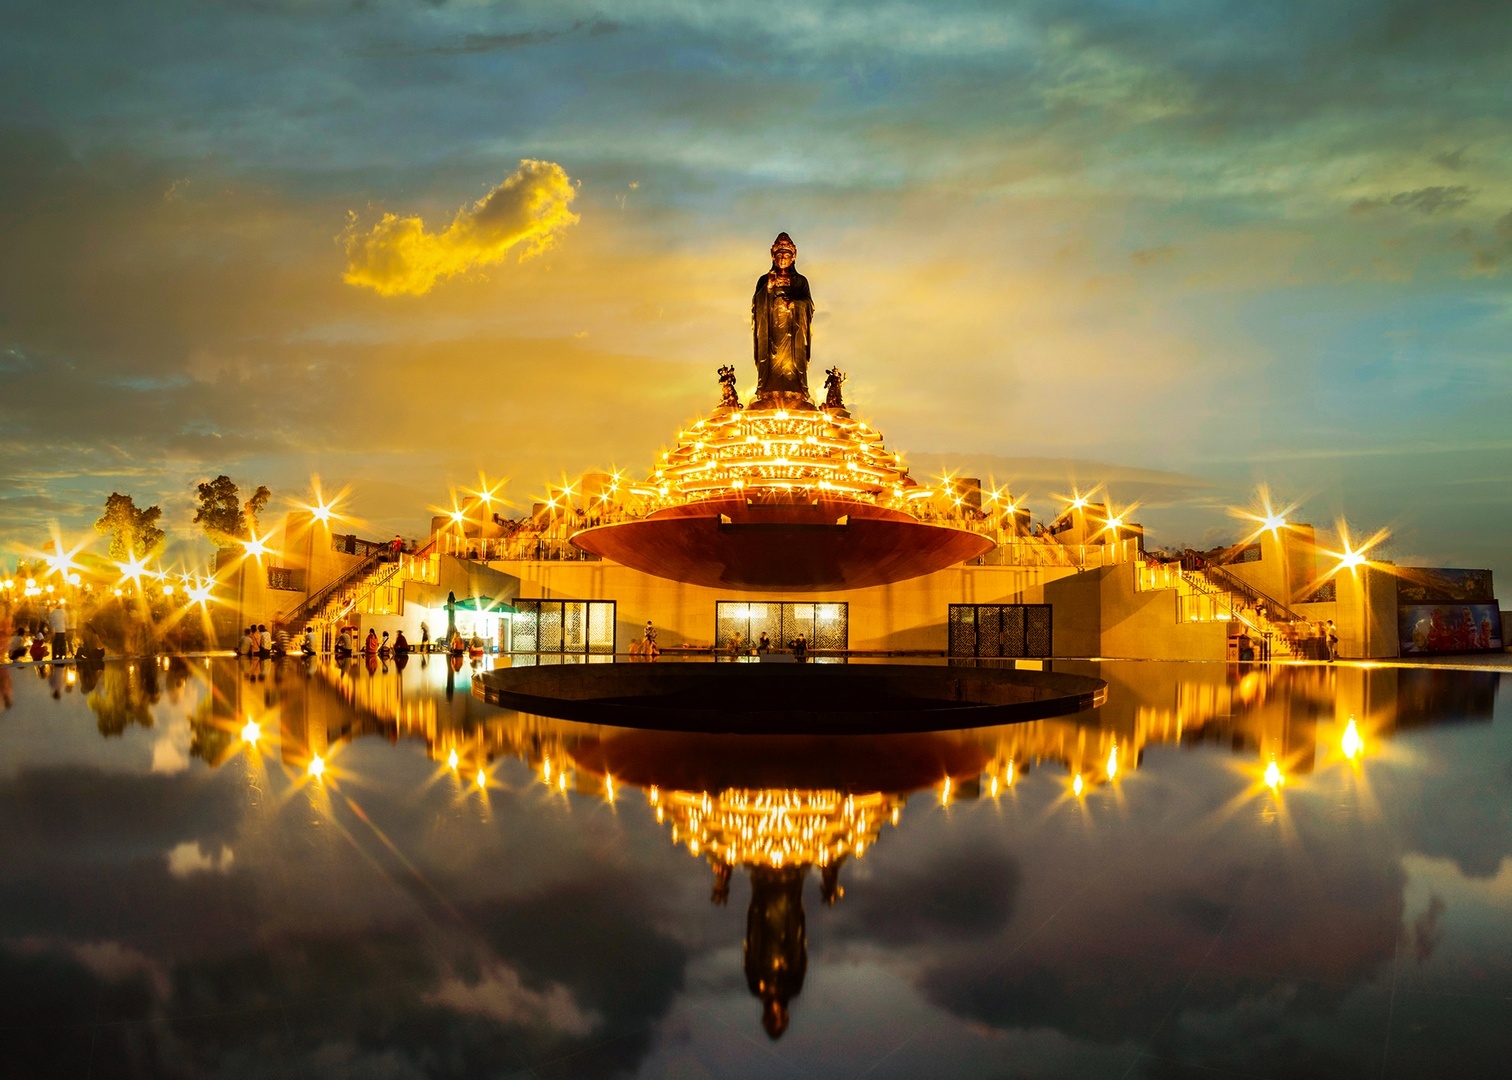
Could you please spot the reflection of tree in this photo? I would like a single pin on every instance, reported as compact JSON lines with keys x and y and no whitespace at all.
{"x":208,"y":740}
{"x":120,"y":700}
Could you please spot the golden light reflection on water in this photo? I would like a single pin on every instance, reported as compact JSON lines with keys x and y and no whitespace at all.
{"x":807,"y":807}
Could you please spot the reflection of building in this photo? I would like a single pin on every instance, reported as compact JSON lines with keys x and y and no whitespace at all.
{"x":784,"y":809}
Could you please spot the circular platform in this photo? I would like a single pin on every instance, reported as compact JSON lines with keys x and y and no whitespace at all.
{"x":788,"y":545}
{"x":789,"y":699}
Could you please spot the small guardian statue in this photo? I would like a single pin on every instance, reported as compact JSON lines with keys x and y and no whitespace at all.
{"x":728,"y":397}
{"x":834,"y":378}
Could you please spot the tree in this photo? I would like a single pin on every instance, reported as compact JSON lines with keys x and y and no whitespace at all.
{"x":220,"y":512}
{"x":133,"y":533}
{"x":228,"y":521}
{"x":252,"y":511}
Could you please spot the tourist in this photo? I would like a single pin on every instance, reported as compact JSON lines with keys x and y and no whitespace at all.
{"x":264,"y":642}
{"x":91,"y":648}
{"x":57,"y":621}
{"x":1331,"y":639}
{"x":401,"y":644}
{"x":396,"y":547}
{"x":458,"y":646}
{"x":763,"y":644}
{"x":246,"y":646}
{"x":39,"y":646}
{"x":800,"y":649}
{"x":16,"y":649}
{"x":370,"y":646}
{"x":307,"y":642}
{"x":281,"y":639}
{"x":345,"y":645}
{"x":1246,"y":646}
{"x":735,"y":643}
{"x":383,"y":646}
{"x":424,"y":637}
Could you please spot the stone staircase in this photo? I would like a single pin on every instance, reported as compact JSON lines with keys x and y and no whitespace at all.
{"x":326,"y":609}
{"x":1277,"y":629}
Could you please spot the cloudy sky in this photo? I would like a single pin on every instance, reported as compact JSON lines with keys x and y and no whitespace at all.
{"x":1183,"y":247}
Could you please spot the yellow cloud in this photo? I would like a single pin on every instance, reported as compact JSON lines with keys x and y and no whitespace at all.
{"x":398,"y":256}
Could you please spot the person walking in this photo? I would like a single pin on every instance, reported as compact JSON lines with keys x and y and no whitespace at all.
{"x":649,"y":642}
{"x":1331,"y":639}
{"x":424,"y":637}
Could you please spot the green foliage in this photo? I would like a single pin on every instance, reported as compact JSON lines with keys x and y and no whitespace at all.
{"x":255,"y":506}
{"x":133,"y":532}
{"x":123,"y":698}
{"x":228,"y":521}
{"x":220,"y":512}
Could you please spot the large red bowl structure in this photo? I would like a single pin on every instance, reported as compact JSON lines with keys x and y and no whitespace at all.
{"x":782,"y":497}
{"x":826,"y":543}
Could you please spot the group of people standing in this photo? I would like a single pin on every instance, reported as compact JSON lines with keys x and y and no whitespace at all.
{"x":55,"y":637}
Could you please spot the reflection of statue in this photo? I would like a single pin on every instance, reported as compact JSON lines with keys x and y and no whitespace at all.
{"x":776,"y":944}
{"x":781,"y":313}
{"x":728,"y":398}
{"x":833,"y":378}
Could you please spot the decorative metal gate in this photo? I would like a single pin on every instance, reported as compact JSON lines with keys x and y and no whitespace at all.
{"x":562,"y":626}
{"x":824,"y":626}
{"x":1011,"y":630}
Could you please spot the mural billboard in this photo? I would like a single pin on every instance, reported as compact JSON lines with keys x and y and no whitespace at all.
{"x":1448,"y":628}
{"x":1438,"y":585}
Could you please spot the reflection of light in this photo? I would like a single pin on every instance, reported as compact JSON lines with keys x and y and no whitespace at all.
{"x":609,"y":787}
{"x":1350,"y":559}
{"x":1273,"y":522}
{"x":654,"y":795}
{"x":561,"y":781}
{"x":994,"y":787}
{"x":251,"y":732}
{"x":1113,"y":762}
{"x":945,"y":792}
{"x":482,"y":778}
{"x":1008,"y":776}
{"x":70,"y":676}
{"x":1352,"y":744}
{"x":451,"y":759}
{"x":1273,"y":777}
{"x":257,"y":546}
{"x":317,"y":766}
{"x":1077,"y":785}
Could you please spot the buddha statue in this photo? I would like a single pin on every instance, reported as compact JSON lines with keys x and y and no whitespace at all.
{"x":782,"y":311}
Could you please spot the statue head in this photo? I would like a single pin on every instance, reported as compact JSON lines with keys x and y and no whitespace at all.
{"x":784,"y":251}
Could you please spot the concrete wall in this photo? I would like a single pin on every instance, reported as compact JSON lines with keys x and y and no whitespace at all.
{"x":910,"y":615}
{"x":1096,"y":613}
{"x":1143,"y":625}
{"x":1365,"y":614}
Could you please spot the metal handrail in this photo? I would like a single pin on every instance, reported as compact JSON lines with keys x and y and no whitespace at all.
{"x":306,"y":611}
{"x":1238,"y":585}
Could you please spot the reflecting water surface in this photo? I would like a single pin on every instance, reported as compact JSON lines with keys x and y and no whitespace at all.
{"x":211,"y":868}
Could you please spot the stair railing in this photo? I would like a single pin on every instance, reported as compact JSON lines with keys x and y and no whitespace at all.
{"x":1226,"y":580}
